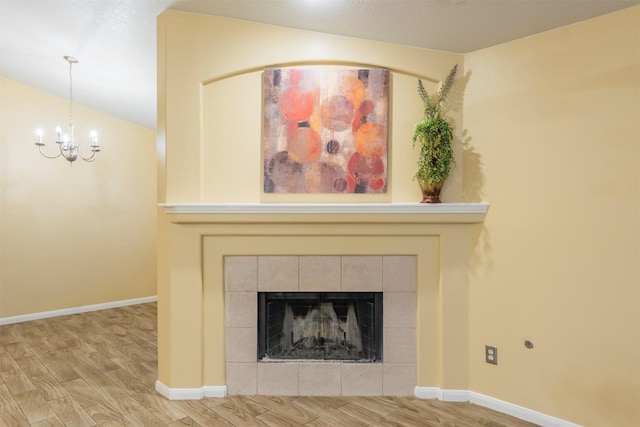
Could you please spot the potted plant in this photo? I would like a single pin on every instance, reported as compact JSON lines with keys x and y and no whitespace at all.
{"x":434,"y":135}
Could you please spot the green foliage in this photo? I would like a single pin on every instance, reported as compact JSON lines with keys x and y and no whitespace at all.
{"x":447,"y":84}
{"x":434,"y":134}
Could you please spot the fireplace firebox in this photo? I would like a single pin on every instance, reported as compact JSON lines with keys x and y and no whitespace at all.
{"x":341,"y":326}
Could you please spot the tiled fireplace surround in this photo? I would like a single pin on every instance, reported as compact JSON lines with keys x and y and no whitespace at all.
{"x":393,"y":275}
{"x":214,"y":258}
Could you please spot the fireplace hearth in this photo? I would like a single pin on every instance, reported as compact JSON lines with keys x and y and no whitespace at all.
{"x":320,"y":326}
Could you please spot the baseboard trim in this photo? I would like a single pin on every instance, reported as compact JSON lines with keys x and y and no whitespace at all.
{"x":75,"y":310}
{"x":190,"y":393}
{"x":420,"y":392}
{"x":492,"y":403}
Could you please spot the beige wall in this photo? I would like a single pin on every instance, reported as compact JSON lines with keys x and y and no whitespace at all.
{"x":554,"y":122}
{"x":73,"y":235}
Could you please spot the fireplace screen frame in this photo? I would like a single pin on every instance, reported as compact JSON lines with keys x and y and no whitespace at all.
{"x":374,"y":333}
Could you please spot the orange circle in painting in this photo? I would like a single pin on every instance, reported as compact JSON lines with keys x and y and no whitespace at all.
{"x":304,"y":145}
{"x":296,"y":105}
{"x":353,"y":89}
{"x":337,"y":113}
{"x":371,"y":139}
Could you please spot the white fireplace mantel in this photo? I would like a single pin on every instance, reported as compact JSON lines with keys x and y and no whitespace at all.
{"x":468,"y":213}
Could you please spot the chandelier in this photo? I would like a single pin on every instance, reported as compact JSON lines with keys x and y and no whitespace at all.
{"x":66,"y":141}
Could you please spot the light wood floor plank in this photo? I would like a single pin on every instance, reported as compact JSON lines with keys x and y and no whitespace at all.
{"x":120,"y":399}
{"x":201,"y":414}
{"x":159,"y":406}
{"x":16,"y":381}
{"x":13,"y":419}
{"x":7,"y":402}
{"x":71,"y":413}
{"x":287,"y":408}
{"x":18,"y":350}
{"x":49,"y":422}
{"x":144,"y":418}
{"x":106,"y":415}
{"x":48,"y":387}
{"x":367,"y":416}
{"x":33,"y":406}
{"x":94,"y":377}
{"x":329,"y":411}
{"x":60,"y":369}
{"x":7,"y":362}
{"x":83,"y":393}
{"x":31,"y":366}
{"x":276,"y":419}
{"x":8,"y":335}
{"x":184,"y":423}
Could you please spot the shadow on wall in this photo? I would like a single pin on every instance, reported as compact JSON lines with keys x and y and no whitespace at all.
{"x":473,"y":179}
{"x":473,"y":191}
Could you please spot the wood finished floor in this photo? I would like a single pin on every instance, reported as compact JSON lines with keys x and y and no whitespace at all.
{"x":100,"y":368}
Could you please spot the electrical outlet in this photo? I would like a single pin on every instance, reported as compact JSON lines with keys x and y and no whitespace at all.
{"x":491,"y":354}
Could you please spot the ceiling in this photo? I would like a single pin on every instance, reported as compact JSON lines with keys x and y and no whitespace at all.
{"x":114,"y":40}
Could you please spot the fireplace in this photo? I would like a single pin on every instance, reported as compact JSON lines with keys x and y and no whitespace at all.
{"x":215,"y":259}
{"x":355,"y":314}
{"x":345,"y":326}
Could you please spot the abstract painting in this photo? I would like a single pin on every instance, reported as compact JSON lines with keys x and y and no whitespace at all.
{"x":325,"y":130}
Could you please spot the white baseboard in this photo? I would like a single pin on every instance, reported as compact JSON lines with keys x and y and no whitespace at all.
{"x":420,"y":392}
{"x":75,"y":310}
{"x":492,"y":403}
{"x":440,"y":394}
{"x":190,"y":393}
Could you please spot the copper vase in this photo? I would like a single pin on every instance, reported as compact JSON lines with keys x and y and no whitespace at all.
{"x":431,"y":192}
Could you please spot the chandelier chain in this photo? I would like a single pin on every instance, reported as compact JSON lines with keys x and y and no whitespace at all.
{"x":70,"y":91}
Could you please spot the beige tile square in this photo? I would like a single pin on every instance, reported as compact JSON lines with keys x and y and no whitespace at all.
{"x":399,"y":273}
{"x":320,"y":379}
{"x":278,"y":379}
{"x":362,"y":379}
{"x":241,"y":273}
{"x":320,"y":273}
{"x":241,"y":309}
{"x":241,"y":345}
{"x":242,"y":378}
{"x":362,"y":273}
{"x":277,"y":273}
{"x":399,"y":345}
{"x":399,"y":309}
{"x":398,"y":379}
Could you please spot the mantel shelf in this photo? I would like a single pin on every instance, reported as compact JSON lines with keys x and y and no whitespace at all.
{"x":421,"y":212}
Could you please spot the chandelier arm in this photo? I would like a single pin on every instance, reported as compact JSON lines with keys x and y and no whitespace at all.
{"x":91,"y":158}
{"x":48,"y":157}
{"x":94,"y":152}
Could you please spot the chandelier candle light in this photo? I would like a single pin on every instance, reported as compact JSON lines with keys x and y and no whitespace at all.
{"x":66,"y":143}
